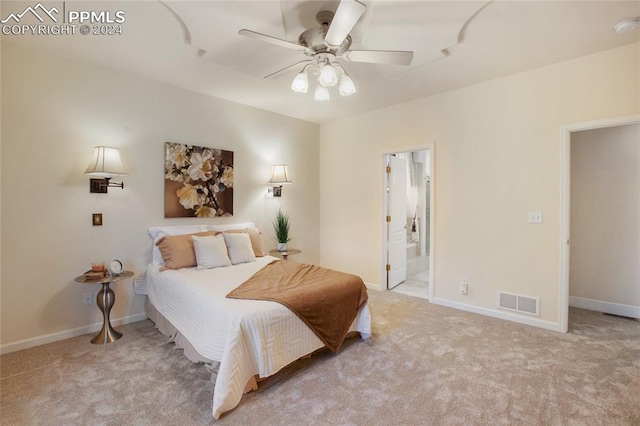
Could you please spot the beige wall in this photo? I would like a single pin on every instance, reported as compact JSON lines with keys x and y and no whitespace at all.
{"x":497,"y":156}
{"x":54,"y":111}
{"x":605,"y":215}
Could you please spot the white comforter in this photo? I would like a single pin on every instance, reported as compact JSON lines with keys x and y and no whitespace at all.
{"x":247,"y":337}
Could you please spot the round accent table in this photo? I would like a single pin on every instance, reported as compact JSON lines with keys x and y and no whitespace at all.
{"x":105,"y":300}
{"x":284,"y":254}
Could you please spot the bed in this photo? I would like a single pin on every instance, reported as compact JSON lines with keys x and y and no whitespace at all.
{"x":242,"y":339}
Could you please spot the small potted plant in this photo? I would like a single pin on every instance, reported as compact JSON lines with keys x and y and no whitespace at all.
{"x":281,"y":225}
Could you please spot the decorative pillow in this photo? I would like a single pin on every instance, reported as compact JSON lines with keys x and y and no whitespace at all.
{"x":255,"y":237}
{"x":157,"y":232}
{"x":177,"y":250}
{"x":239,"y":248}
{"x":211,"y":252}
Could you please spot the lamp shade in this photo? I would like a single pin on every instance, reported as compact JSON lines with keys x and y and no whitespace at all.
{"x":321,"y":94}
{"x":300,"y":84}
{"x":328,"y":76}
{"x":347,"y":87}
{"x":105,"y":163}
{"x":280,"y":175}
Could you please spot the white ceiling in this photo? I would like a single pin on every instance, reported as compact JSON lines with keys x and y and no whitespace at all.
{"x":195,"y":45}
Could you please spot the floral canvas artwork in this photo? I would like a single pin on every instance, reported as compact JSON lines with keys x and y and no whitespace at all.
{"x":198,"y":181}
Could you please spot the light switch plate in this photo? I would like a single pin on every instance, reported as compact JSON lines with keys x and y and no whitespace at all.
{"x":535,"y":217}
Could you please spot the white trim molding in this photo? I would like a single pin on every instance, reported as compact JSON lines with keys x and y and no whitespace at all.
{"x":67,"y":334}
{"x":508,"y":316}
{"x":605,"y":307}
{"x":371,"y":286}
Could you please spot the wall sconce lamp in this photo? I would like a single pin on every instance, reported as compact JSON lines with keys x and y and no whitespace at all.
{"x":279,"y":177}
{"x":106,"y":164}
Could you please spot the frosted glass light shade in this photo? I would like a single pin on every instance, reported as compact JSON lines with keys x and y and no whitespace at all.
{"x":106,"y":163}
{"x":347,"y":87}
{"x":328,"y":76}
{"x":321,"y":94}
{"x":300,"y":83}
{"x":280,"y":175}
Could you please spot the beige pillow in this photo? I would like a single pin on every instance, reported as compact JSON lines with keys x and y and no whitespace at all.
{"x":254,"y":236}
{"x":177,"y":250}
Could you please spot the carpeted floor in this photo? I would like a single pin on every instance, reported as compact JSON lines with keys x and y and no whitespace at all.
{"x":424,"y":365}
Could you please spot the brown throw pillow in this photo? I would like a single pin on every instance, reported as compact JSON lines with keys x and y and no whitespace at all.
{"x":254,"y":236}
{"x":177,"y":250}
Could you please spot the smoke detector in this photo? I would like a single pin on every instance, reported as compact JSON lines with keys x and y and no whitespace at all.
{"x":627,"y":25}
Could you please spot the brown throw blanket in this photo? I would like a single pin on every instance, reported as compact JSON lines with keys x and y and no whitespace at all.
{"x":326,"y":300}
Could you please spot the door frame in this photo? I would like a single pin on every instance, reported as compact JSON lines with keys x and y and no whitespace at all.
{"x":565,"y":204}
{"x":385,"y":206}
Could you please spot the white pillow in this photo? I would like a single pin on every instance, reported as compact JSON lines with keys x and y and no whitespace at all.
{"x":211,"y":252}
{"x":239,"y":247}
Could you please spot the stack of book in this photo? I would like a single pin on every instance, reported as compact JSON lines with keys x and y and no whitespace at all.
{"x":93,"y":275}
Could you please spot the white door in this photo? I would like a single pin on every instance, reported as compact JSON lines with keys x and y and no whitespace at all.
{"x":397,"y":221}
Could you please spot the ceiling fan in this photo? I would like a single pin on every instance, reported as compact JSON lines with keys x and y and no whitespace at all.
{"x":326,"y":43}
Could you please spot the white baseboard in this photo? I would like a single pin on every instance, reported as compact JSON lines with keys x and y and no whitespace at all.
{"x":66,"y":334}
{"x":372,"y":286}
{"x":494,"y":313}
{"x":606,"y":307}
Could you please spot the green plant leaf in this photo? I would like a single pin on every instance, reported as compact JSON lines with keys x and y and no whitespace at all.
{"x":282,"y":225}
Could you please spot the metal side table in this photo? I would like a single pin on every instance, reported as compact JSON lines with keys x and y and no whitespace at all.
{"x":105,"y":300}
{"x":284,"y":254}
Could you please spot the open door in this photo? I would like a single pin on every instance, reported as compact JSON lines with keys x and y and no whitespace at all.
{"x":396,"y":221}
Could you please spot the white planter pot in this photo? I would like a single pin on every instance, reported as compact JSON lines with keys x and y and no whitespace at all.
{"x":282,"y":247}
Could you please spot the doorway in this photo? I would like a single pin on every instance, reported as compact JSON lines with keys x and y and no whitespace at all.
{"x":567,"y":132}
{"x":408,"y":222}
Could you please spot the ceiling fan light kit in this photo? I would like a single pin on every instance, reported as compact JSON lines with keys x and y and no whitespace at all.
{"x":328,"y":73}
{"x":326,"y":43}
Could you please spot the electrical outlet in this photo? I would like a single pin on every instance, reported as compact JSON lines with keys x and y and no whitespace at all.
{"x":535,"y":217}
{"x":464,"y":286}
{"x":87,"y":299}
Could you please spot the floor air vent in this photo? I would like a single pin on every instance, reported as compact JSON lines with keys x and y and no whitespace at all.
{"x":523,"y":304}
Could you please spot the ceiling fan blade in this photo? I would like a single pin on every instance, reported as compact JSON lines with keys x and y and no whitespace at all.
{"x":392,"y":57}
{"x":284,"y":70}
{"x":274,"y":40}
{"x":347,"y":14}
